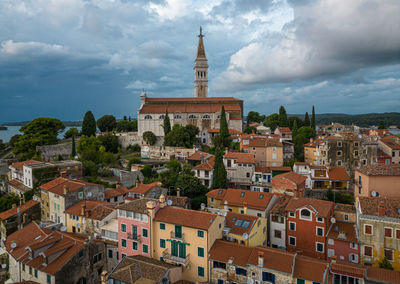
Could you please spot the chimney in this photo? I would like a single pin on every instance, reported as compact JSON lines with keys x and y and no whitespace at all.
{"x":83,"y":209}
{"x":66,"y":190}
{"x":117,"y":184}
{"x":87,"y":213}
{"x":178,"y":192}
{"x":151,"y":208}
{"x":252,"y":131}
{"x":260,"y":258}
{"x":226,"y":150}
{"x":21,"y":201}
{"x":311,"y":140}
{"x":226,"y":205}
{"x":381,"y":209}
{"x":63,"y":174}
{"x":162,"y":201}
{"x":14,"y":205}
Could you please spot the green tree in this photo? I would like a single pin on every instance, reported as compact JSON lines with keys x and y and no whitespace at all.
{"x":307,"y":132}
{"x":250,"y":129}
{"x":254,"y":116}
{"x":220,"y":179}
{"x":38,"y":132}
{"x":135,"y":148}
{"x":149,"y":138}
{"x":313,"y":118}
{"x":106,"y":123}
{"x":385,"y":263}
{"x":306,"y":120}
{"x":283,"y":120}
{"x":294,"y":129}
{"x":89,"y":149}
{"x":292,"y":119}
{"x":126,"y":126}
{"x":223,"y":125}
{"x":299,"y":140}
{"x":7,"y":200}
{"x":147,"y":172}
{"x":190,"y":185}
{"x":272,"y":121}
{"x":73,"y":152}
{"x":14,"y":139}
{"x":177,"y":137}
{"x":89,"y":124}
{"x":73,"y":131}
{"x":110,"y":142}
{"x":167,"y":124}
{"x":381,"y":125}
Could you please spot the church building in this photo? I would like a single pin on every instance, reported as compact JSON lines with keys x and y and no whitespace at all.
{"x":201,"y":110}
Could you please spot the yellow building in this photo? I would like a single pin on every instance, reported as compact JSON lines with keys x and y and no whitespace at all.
{"x":184,"y":237}
{"x":310,"y":151}
{"x":88,"y":216}
{"x":245,"y":229}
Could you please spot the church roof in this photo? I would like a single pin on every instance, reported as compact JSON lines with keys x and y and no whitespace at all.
{"x":201,"y":52}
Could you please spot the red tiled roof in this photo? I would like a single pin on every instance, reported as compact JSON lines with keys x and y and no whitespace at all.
{"x":283,"y":168}
{"x":96,"y":209}
{"x":382,"y":154}
{"x":338,"y":173}
{"x":280,"y":206}
{"x":57,"y":185}
{"x":348,"y":269}
{"x":383,"y":275}
{"x":275,"y":259}
{"x":344,"y":231}
{"x":198,"y":155}
{"x":322,"y":207}
{"x":18,"y":185}
{"x":369,"y":206}
{"x":391,"y":143}
{"x":20,"y":165}
{"x":296,"y":178}
{"x":185,"y":217}
{"x":310,"y":269}
{"x":14,"y":211}
{"x":144,"y":188}
{"x":223,"y":251}
{"x":231,"y":131}
{"x":381,"y":170}
{"x":110,"y":193}
{"x":206,"y":166}
{"x":263,"y":170}
{"x":194,"y":100}
{"x":240,"y":157}
{"x":284,"y":129}
{"x":231,"y":219}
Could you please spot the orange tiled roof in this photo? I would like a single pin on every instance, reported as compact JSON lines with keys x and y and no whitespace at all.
{"x":382,"y":154}
{"x":283,"y":168}
{"x":193,"y":100}
{"x":321,"y":206}
{"x":391,"y":143}
{"x":185,"y":217}
{"x":14,"y":211}
{"x":381,"y":170}
{"x":296,"y":178}
{"x":275,"y":259}
{"x":231,"y":219}
{"x":96,"y":209}
{"x":33,"y":234}
{"x":280,"y":206}
{"x":144,"y":188}
{"x":240,"y":157}
{"x":224,"y":251}
{"x":338,"y":173}
{"x":263,"y":170}
{"x":198,"y":155}
{"x":349,"y":208}
{"x":20,"y":165}
{"x":231,"y":131}
{"x":382,"y":275}
{"x":239,"y":197}
{"x":110,"y":193}
{"x":344,"y":231}
{"x":18,"y":185}
{"x":369,"y":206}
{"x":311,"y":269}
{"x":348,"y":269}
{"x":284,"y":129}
{"x":206,"y":166}
{"x":57,"y":185}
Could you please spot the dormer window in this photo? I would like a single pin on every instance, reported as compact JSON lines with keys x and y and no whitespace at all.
{"x":148,"y":116}
{"x":305,"y":214}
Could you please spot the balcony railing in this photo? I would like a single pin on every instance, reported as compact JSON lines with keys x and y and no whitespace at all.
{"x":134,"y":237}
{"x":176,"y":259}
{"x":178,"y":236}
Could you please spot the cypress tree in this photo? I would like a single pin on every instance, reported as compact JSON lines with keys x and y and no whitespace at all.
{"x":73,"y":152}
{"x":223,"y":124}
{"x":306,"y":120}
{"x":283,"y":120}
{"x":294,"y":129}
{"x":220,"y":179}
{"x":313,"y":118}
{"x":89,"y":124}
{"x":167,"y":124}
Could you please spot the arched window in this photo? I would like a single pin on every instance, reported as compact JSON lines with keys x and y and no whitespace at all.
{"x":206,"y":116}
{"x":177,"y":116}
{"x":219,"y":116}
{"x":192,"y":116}
{"x":148,"y":117}
{"x":162,"y":116}
{"x":305,"y":214}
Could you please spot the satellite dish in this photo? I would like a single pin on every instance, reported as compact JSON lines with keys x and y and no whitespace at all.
{"x":373,"y":194}
{"x":13,"y":245}
{"x":333,"y":220}
{"x":78,"y":225}
{"x":63,"y":229}
{"x":232,"y":267}
{"x":169,"y":202}
{"x":245,"y":236}
{"x":250,"y":281}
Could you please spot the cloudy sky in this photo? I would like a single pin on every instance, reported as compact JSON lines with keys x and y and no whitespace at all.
{"x":60,"y":58}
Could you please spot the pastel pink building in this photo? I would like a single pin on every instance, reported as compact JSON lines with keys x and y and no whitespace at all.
{"x":134,"y":225}
{"x":342,"y":242}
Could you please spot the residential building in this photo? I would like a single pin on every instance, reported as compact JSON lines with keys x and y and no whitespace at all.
{"x":239,"y":168}
{"x":384,"y":158}
{"x":277,"y":223}
{"x":391,"y":148}
{"x":289,"y":183}
{"x":261,"y":180}
{"x":240,"y":201}
{"x":267,"y":150}
{"x":345,"y":212}
{"x":378,"y":222}
{"x":46,"y":256}
{"x":198,"y":157}
{"x":184,"y":237}
{"x":151,"y":190}
{"x":109,"y":235}
{"x":62,"y":193}
{"x":377,"y":180}
{"x":343,"y":242}
{"x":140,"y":269}
{"x":116,"y":195}
{"x":284,"y":133}
{"x":204,"y":171}
{"x":307,"y":223}
{"x":311,"y":154}
{"x":18,"y":217}
{"x":87,"y":216}
{"x":207,"y":135}
{"x":288,"y":150}
{"x":245,"y":229}
{"x":16,"y":179}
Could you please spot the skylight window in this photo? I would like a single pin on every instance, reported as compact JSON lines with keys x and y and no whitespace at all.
{"x":242,"y":194}
{"x":246,"y":224}
{"x":238,"y":223}
{"x":261,"y":196}
{"x":220,"y":191}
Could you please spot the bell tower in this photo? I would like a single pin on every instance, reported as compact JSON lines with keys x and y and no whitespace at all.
{"x":200,"y":70}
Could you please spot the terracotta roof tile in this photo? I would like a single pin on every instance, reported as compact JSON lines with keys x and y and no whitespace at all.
{"x":311,"y":269}
{"x":349,"y":208}
{"x":284,"y":129}
{"x":281,"y":169}
{"x":110,"y":193}
{"x":185,"y":217}
{"x":144,"y":188}
{"x":20,"y":165}
{"x":137,"y":205}
{"x":338,"y":174}
{"x":280,"y":206}
{"x":240,"y":197}
{"x":199,"y":156}
{"x":263,"y":170}
{"x":96,"y":209}
{"x":231,"y":219}
{"x":275,"y":259}
{"x":57,"y":185}
{"x":206,"y":166}
{"x":223,"y":251}
{"x":289,"y":180}
{"x":369,"y":206}
{"x":348,"y":269}
{"x":391,"y":143}
{"x":18,"y":185}
{"x":322,"y":207}
{"x":381,"y":170}
{"x":383,"y":275}
{"x":231,"y":131}
{"x":344,"y":231}
{"x":18,"y":210}
{"x":240,"y":157}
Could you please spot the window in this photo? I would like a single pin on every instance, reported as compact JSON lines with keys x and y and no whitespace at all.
{"x":270,"y":277}
{"x":123,"y":228}
{"x":397,"y":234}
{"x":368,"y":229}
{"x":48,"y":278}
{"x":123,"y":255}
{"x":110,"y":253}
{"x":80,"y":253}
{"x":134,"y":246}
{"x":258,"y":214}
{"x":339,"y":153}
{"x":353,"y":245}
{"x":145,"y":248}
{"x":123,"y":243}
{"x":353,"y":257}
{"x":388,"y":232}
{"x":292,"y":214}
{"x":221,"y":265}
{"x":292,"y":241}
{"x":278,"y":234}
{"x":36,"y":273}
{"x":367,"y":251}
{"x":292,"y":226}
{"x":339,"y":163}
{"x":206,"y":116}
{"x":177,"y":116}
{"x":162,"y":226}
{"x":80,"y":195}
{"x":192,"y":116}
{"x":389,"y":254}
{"x":145,"y":233}
{"x":346,"y":217}
{"x":148,"y":116}
{"x":200,"y":271}
{"x":305,"y":214}
{"x":200,"y":252}
{"x":162,"y":243}
{"x":319,"y":247}
{"x":162,"y":116}
{"x":320,"y":219}
{"x":331,"y":252}
{"x":339,"y":143}
{"x":320,"y":231}
{"x":241,"y":271}
{"x":355,"y":153}
{"x":300,"y":281}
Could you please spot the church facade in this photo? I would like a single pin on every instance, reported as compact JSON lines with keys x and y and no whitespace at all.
{"x":200,"y":110}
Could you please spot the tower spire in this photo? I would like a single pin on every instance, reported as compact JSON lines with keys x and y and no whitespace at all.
{"x":200,"y":69}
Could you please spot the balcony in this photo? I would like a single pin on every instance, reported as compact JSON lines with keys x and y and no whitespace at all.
{"x":175,"y":259}
{"x":133,"y":237}
{"x":177,"y":236}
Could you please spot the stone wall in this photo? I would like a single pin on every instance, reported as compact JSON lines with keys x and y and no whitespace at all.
{"x":128,"y":138}
{"x":51,"y":152}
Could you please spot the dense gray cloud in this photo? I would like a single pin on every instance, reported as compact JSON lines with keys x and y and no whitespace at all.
{"x":61,"y":58}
